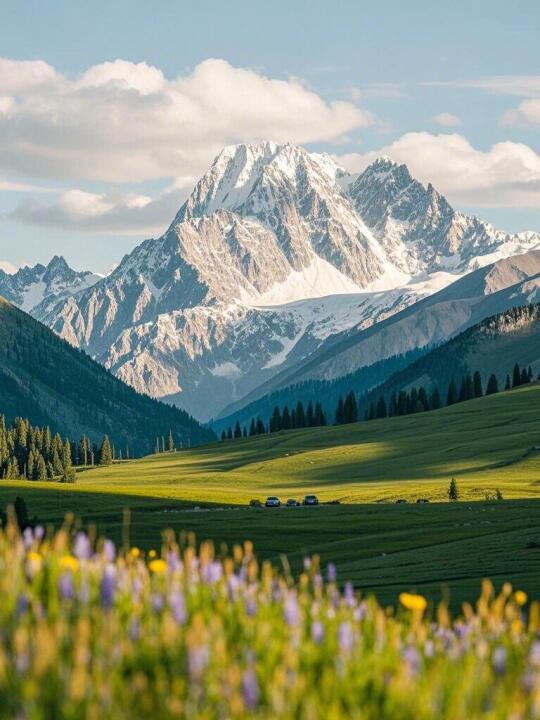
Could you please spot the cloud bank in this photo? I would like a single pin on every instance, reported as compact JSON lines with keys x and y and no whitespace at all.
{"x":124,"y":122}
{"x":505,"y":175}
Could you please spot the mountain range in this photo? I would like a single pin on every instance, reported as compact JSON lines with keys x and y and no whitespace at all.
{"x":277,"y":258}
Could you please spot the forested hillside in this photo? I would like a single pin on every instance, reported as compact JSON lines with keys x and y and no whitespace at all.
{"x":44,"y":379}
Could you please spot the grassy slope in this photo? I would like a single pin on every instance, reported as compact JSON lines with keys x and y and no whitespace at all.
{"x":384,"y":547}
{"x":484,"y":443}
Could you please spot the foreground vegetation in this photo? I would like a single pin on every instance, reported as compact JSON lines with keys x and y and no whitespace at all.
{"x":87,"y":633}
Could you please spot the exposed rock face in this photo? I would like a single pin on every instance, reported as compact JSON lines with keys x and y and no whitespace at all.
{"x":275,"y":250}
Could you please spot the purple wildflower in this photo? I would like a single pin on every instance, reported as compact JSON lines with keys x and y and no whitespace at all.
{"x":28,"y":537}
{"x":345,"y":638}
{"x":499,"y":660}
{"x":65,"y":586}
{"x":197,"y":660}
{"x":349,"y":595}
{"x":317,"y":631}
{"x":331,"y":572}
{"x":412,"y":659}
{"x":291,"y":610}
{"x":534,"y":653}
{"x":178,"y":606}
{"x":251,"y":606}
{"x":39,"y":532}
{"x":108,"y":587}
{"x":307,"y":563}
{"x":173,"y":561}
{"x":81,"y":546}
{"x":158,"y":602}
{"x":212,"y":572}
{"x":134,"y":630}
{"x":22,"y":604}
{"x":109,"y":550}
{"x":250,"y":688}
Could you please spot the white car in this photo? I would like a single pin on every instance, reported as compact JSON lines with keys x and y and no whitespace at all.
{"x":272,"y":501}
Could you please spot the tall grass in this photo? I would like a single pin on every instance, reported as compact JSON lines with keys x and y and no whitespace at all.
{"x":90,"y":631}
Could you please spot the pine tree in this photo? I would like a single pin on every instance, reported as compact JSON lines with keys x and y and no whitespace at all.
{"x":320,"y":417}
{"x":451,"y":396}
{"x":252,"y":428}
{"x":310,"y":415}
{"x":286,"y":418}
{"x":435,"y":399}
{"x":229,"y":433}
{"x":477,"y":385}
{"x":300,"y":415}
{"x":339,"y":412}
{"x":170,"y":442}
{"x":237,"y":430}
{"x":275,"y":420}
{"x":381,"y":408}
{"x":507,"y":385}
{"x":492,"y":386}
{"x":516,"y":376}
{"x":223,"y":435}
{"x":259,"y":427}
{"x":453,"y":492}
{"x":105,"y":451}
{"x":524,"y":377}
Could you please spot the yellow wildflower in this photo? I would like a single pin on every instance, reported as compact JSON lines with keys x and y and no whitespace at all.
{"x":152,"y":554}
{"x":34,"y":561}
{"x":134,"y":552}
{"x":158,"y":566}
{"x":520,"y":597}
{"x":413,"y":602}
{"x":68,"y":562}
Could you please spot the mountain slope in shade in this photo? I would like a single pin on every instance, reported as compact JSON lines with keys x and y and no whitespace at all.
{"x":268,"y":258}
{"x":505,"y":284}
{"x":492,"y":346}
{"x":46,"y":380}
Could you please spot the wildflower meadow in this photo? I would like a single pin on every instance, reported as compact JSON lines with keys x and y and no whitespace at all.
{"x":88,"y":630}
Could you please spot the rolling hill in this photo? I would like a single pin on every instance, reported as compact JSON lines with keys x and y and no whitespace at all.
{"x":51,"y":383}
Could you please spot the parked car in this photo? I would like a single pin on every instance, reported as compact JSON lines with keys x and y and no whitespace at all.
{"x":272,"y":501}
{"x":401,"y":500}
{"x":311,"y":500}
{"x":292,"y":502}
{"x":421,"y":501}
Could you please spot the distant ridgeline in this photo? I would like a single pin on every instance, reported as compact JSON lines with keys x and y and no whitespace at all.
{"x":438,"y":378}
{"x":46,"y":380}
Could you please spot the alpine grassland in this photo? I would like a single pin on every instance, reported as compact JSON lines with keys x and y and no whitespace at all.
{"x":440,"y":548}
{"x":90,"y":631}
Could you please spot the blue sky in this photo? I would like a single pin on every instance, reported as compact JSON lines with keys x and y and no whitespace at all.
{"x":451,"y":88}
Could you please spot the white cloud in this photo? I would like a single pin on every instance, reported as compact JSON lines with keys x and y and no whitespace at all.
{"x":527,"y":113}
{"x":125,"y":122}
{"x":446,"y":119}
{"x":515,"y":85}
{"x":113,"y":212}
{"x":8,"y":267}
{"x":505,"y":175}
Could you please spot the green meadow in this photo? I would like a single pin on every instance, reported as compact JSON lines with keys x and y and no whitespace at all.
{"x":486,"y":444}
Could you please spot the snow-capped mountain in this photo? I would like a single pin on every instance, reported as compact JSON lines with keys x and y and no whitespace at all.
{"x":507,"y":283}
{"x":418,"y":228}
{"x":269,"y":256}
{"x":30,"y":286}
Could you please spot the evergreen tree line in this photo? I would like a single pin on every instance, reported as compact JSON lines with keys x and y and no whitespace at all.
{"x":348,"y":409}
{"x":281,"y":419}
{"x":419,"y":400}
{"x":34,"y":453}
